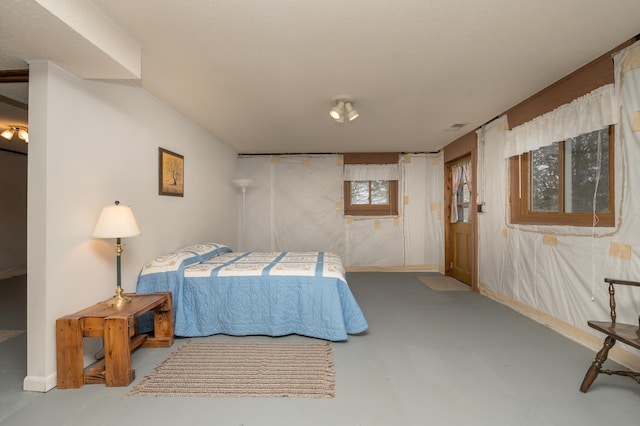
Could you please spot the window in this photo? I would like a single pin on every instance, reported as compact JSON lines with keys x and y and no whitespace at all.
{"x":371,"y":197}
{"x":371,"y":184}
{"x":560,"y":183}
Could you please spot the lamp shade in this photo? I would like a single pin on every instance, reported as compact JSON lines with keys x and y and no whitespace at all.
{"x":352,"y":114}
{"x":116,"y":221}
{"x":243,"y":183}
{"x":337,"y":111}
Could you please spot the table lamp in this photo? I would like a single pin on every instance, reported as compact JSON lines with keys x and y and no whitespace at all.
{"x":117,"y":222}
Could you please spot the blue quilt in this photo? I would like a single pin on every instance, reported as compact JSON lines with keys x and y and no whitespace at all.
{"x":217,"y":291}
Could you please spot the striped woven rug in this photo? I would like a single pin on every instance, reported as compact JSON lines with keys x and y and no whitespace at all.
{"x":230,"y":369}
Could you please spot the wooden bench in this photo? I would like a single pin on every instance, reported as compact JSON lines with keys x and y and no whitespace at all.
{"x":117,"y":327}
{"x":614,"y":331}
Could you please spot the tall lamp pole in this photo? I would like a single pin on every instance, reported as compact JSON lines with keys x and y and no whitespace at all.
{"x":243,"y":184}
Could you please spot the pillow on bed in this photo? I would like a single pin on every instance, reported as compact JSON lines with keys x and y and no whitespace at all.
{"x":170,"y":262}
{"x":178,"y":259}
{"x":206,"y":250}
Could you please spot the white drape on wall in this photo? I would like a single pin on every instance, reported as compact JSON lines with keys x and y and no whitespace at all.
{"x":423,"y":210}
{"x":593,"y":111}
{"x":307,"y":196}
{"x":296,"y":204}
{"x":556,"y":269}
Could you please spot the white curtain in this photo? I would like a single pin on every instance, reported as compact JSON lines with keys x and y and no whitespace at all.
{"x":456,"y":178}
{"x":468,"y":175}
{"x":593,"y":111}
{"x":353,"y":172}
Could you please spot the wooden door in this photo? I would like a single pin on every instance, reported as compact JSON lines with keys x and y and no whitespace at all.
{"x":461,"y":251}
{"x":461,"y":232}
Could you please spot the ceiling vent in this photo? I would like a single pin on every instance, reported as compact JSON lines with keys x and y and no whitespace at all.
{"x":455,"y":127}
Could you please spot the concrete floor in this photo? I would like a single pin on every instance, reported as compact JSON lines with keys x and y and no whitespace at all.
{"x":429,"y":358}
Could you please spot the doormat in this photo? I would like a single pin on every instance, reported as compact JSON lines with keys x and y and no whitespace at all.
{"x":229,"y":369}
{"x":8,"y":334}
{"x":441,"y":283}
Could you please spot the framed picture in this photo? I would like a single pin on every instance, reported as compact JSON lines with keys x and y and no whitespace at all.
{"x":171,"y":171}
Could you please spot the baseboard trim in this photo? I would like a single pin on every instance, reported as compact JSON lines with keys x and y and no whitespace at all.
{"x":39,"y":383}
{"x":401,"y":268}
{"x":618,"y":353}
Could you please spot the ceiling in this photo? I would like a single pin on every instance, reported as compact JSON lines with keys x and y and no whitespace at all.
{"x":260,"y":76}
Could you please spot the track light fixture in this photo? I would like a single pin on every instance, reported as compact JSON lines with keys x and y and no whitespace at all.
{"x":352,"y":114}
{"x":343,"y":107}
{"x":337,"y":112}
{"x":21,"y":131}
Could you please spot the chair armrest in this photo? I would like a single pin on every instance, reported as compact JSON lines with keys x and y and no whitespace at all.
{"x":622,"y":282}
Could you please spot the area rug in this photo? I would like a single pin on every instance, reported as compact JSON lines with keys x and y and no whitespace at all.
{"x":8,"y":334}
{"x":231,"y":369}
{"x":444,"y":283}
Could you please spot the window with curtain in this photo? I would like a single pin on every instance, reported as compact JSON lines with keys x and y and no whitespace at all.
{"x":566,"y":183}
{"x":561,"y":163}
{"x":371,"y":184}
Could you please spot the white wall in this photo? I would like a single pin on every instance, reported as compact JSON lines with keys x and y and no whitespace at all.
{"x":94,"y":142}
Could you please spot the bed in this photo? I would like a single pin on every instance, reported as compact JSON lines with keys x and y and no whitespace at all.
{"x":218,"y":291}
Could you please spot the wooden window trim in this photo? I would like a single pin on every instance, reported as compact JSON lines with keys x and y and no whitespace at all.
{"x":390,"y":209}
{"x":519,"y":196}
{"x":371,"y":158}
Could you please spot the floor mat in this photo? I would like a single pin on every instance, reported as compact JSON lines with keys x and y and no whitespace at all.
{"x":230,"y":369}
{"x":444,"y":283}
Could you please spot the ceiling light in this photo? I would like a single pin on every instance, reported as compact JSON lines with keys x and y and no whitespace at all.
{"x":23,"y":133}
{"x":8,"y":134}
{"x":337,"y":112}
{"x":343,"y":106}
{"x":352,"y":114}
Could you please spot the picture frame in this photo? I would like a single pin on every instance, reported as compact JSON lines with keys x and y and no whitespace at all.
{"x":171,"y":173}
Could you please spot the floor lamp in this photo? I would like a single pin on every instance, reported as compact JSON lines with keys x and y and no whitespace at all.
{"x":243,"y":184}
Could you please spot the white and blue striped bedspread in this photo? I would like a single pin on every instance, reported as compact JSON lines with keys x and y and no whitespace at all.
{"x":257,"y":293}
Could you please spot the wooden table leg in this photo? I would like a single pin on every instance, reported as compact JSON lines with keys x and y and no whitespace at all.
{"x":117,"y":351}
{"x":162,"y":326}
{"x":69,"y":353}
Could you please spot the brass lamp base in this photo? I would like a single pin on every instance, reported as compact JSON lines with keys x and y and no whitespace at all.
{"x":119,"y":299}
